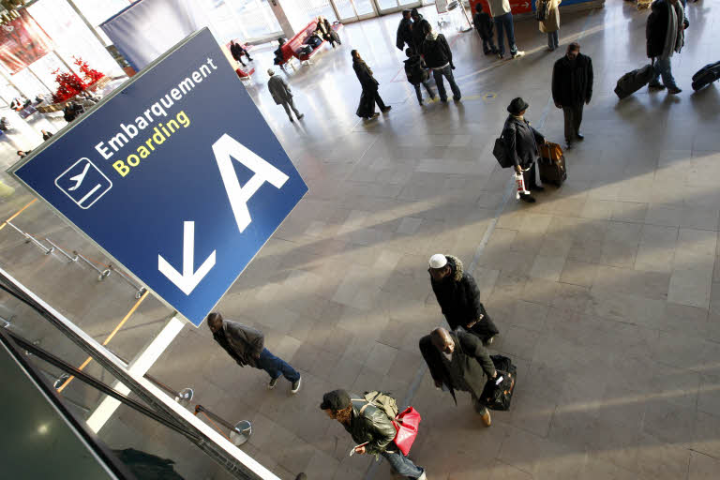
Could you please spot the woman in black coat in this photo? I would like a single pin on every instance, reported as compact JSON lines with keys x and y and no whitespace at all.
{"x":522,"y":141}
{"x":370,"y":94}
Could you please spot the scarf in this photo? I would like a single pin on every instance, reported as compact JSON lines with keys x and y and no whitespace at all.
{"x":674,"y":36}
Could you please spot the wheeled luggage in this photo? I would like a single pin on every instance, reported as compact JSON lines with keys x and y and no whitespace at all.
{"x":706,"y":75}
{"x":552,"y":164}
{"x":498,"y":391}
{"x":366,"y":109}
{"x":633,"y":81}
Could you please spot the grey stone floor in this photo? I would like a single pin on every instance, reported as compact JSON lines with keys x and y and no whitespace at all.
{"x":607,"y":291}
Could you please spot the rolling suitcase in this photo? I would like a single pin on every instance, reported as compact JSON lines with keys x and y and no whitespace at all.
{"x":633,"y":81}
{"x":498,"y":391}
{"x":706,"y":75}
{"x":552,"y":164}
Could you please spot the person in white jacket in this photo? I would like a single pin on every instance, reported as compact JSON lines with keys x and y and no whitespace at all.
{"x":500,"y":10}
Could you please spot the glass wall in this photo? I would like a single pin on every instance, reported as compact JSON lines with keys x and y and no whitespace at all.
{"x":249,"y":19}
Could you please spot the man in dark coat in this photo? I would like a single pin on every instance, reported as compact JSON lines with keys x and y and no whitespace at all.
{"x":371,"y":429}
{"x":458,"y":361}
{"x":404,"y":31}
{"x":237,"y":51}
{"x":521,"y":142}
{"x":486,"y":28}
{"x":417,"y":74}
{"x":282,"y":95}
{"x":418,"y":29}
{"x":369,"y":87}
{"x":246,"y":346}
{"x":665,"y":36}
{"x":459,"y":297}
{"x":438,"y":58}
{"x":572,"y":87}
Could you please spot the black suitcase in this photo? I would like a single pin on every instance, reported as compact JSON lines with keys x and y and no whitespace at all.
{"x":633,"y":81}
{"x":706,"y":75}
{"x":498,"y":391}
{"x":552,"y":165}
{"x":366,"y":109}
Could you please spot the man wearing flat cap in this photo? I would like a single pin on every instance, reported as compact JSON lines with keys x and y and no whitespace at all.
{"x":371,"y":429}
{"x":459,"y":298}
{"x":522,"y":142}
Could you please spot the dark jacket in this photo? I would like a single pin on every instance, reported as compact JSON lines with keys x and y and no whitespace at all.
{"x":470,"y":364}
{"x":418,"y":33}
{"x":416,"y":70}
{"x":404,"y":34}
{"x":237,"y":51}
{"x":365,"y":75}
{"x":656,"y":28}
{"x":572,"y":81}
{"x":484,"y":25}
{"x":458,"y":295}
{"x":242,"y":343}
{"x":521,"y":141}
{"x":279,"y":90}
{"x":372,"y":426}
{"x":436,"y":51}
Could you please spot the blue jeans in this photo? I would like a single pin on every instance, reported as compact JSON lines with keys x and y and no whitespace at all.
{"x":275,"y":367}
{"x":401,"y":464}
{"x":505,"y":22}
{"x":446,"y":72}
{"x":553,"y":40}
{"x":427,"y":86}
{"x":663,"y":67}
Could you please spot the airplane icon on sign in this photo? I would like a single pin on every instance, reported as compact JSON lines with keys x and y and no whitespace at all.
{"x":84,"y":183}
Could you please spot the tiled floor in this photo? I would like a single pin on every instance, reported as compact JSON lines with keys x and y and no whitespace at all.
{"x":607,"y":291}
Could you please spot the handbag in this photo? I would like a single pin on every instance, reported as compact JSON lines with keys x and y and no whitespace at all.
{"x":406,"y":424}
{"x":542,"y":10}
{"x":501,"y":154}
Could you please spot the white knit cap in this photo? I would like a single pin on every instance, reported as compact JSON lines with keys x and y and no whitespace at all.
{"x":271,"y":72}
{"x":438,"y":261}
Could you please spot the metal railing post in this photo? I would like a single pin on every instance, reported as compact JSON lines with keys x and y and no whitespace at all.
{"x":103,"y":273}
{"x":70,"y":257}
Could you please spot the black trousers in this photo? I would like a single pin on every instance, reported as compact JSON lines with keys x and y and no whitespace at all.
{"x":573,"y":118}
{"x":379,"y":100}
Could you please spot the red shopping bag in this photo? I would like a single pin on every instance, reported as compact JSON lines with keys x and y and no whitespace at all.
{"x":406,"y":424}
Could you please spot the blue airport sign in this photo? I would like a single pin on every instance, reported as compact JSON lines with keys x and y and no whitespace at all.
{"x":176,"y":176}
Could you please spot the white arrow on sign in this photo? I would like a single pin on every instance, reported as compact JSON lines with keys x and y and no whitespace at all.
{"x":188,"y":280}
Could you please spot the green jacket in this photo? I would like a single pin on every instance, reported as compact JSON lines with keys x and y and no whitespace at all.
{"x":372,"y":426}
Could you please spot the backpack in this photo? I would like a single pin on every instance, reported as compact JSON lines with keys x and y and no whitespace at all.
{"x":501,"y":154}
{"x":382,"y":401}
{"x":542,"y":10}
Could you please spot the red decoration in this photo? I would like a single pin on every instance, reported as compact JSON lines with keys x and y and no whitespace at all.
{"x":91,"y":75}
{"x":70,"y":84}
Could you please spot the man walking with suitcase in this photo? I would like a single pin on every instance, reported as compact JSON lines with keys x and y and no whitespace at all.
{"x":521,"y":143}
{"x":458,"y":361}
{"x":246,"y":346}
{"x":665,"y":36}
{"x":371,"y":429}
{"x":459,"y":297}
{"x":572,"y":87}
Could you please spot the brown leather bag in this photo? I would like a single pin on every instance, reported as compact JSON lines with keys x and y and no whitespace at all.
{"x":551,"y":151}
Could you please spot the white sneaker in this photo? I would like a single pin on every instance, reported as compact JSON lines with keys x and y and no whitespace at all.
{"x":519,"y":53}
{"x":423,"y":476}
